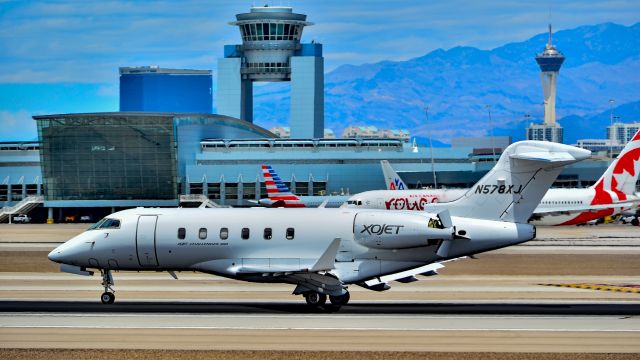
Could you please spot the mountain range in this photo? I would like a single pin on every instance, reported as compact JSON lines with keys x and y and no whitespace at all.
{"x":474,"y":92}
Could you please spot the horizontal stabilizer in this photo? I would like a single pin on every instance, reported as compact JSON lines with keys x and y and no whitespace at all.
{"x":549,"y":157}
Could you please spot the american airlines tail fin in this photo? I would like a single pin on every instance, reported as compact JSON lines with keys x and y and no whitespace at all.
{"x":516,"y":184}
{"x":621,"y":176}
{"x":391,"y":178}
{"x":278,"y":192}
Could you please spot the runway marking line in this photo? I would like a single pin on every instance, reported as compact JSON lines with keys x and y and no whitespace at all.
{"x":635,"y":289}
{"x":308,"y":328}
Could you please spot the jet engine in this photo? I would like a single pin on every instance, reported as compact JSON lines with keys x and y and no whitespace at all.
{"x":393,"y":230}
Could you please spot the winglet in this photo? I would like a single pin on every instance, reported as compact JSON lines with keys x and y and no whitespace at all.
{"x":328,"y":259}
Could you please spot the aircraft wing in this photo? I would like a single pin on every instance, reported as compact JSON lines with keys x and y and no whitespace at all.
{"x":308,"y":275}
{"x":581,"y":208}
{"x":406,"y":276}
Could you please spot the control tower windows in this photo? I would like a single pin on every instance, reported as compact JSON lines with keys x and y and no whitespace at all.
{"x":280,"y":31}
{"x":270,"y":31}
{"x":254,"y":37}
{"x":287,"y":35}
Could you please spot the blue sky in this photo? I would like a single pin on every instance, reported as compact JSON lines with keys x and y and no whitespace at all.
{"x":63,"y":56}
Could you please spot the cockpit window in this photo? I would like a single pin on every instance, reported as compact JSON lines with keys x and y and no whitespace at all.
{"x":106,"y":223}
{"x":354,"y":202}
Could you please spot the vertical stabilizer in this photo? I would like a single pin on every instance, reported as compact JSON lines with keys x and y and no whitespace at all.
{"x":619,"y":180}
{"x":516,"y":184}
{"x":278,"y":191}
{"x":391,"y":178}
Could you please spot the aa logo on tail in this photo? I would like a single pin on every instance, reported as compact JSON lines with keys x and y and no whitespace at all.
{"x":396,"y":185}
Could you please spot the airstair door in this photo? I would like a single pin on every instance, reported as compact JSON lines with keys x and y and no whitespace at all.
{"x":146,"y":240}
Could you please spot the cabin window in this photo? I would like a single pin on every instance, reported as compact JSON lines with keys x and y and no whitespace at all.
{"x":267,"y":233}
{"x":224,"y":234}
{"x":182,"y":233}
{"x":245,"y":233}
{"x":290,"y":233}
{"x":202,"y":234}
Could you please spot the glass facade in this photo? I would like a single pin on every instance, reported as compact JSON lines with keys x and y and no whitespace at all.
{"x":108,"y":157}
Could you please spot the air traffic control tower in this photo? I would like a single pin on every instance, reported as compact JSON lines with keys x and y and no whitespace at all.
{"x":271,"y":51}
{"x":550,"y":60}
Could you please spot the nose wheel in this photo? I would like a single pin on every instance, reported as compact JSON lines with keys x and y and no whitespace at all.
{"x":107,"y":296}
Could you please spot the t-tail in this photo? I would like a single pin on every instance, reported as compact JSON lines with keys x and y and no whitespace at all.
{"x":391,"y":178}
{"x":278,"y":193}
{"x":514,"y":187}
{"x":619,"y":180}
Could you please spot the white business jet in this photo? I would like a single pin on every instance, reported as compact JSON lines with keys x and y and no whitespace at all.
{"x":322,"y":251}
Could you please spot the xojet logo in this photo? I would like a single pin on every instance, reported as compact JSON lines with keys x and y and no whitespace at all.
{"x":376,"y":229}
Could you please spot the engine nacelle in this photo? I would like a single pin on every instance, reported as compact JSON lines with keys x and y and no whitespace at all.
{"x":393,"y":230}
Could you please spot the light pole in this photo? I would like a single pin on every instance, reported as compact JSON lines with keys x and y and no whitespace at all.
{"x":493,"y":145}
{"x":611,"y":134}
{"x":433,"y":168}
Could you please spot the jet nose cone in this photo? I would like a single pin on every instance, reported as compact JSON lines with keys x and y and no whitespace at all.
{"x":55,"y":255}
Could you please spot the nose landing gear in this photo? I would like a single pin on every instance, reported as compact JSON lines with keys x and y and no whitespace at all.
{"x":107,"y":296}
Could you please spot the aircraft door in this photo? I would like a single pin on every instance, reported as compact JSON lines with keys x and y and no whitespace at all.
{"x":146,"y":240}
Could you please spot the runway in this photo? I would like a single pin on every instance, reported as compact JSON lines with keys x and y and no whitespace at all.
{"x":499,"y":302}
{"x":361,"y":326}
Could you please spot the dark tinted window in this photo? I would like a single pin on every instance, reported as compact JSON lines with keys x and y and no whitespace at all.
{"x":110,"y":224}
{"x":202,"y":234}
{"x":245,"y":233}
{"x":182,"y":233}
{"x":290,"y":233}
{"x":267,"y":233}
{"x":224,"y":233}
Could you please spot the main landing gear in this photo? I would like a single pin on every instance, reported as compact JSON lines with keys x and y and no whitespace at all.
{"x":107,"y":296}
{"x":317,"y":300}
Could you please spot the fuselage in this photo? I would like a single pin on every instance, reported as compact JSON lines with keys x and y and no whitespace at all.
{"x":558,"y":206}
{"x":227,"y":241}
{"x":329,"y":201}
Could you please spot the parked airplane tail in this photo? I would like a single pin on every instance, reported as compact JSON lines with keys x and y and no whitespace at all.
{"x":391,"y":178}
{"x":619,"y":180}
{"x":516,"y":184}
{"x":277,"y":191}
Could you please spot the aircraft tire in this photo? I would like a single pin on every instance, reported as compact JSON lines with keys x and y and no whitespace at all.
{"x":315,"y":299}
{"x":340,"y":300}
{"x":107,"y":298}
